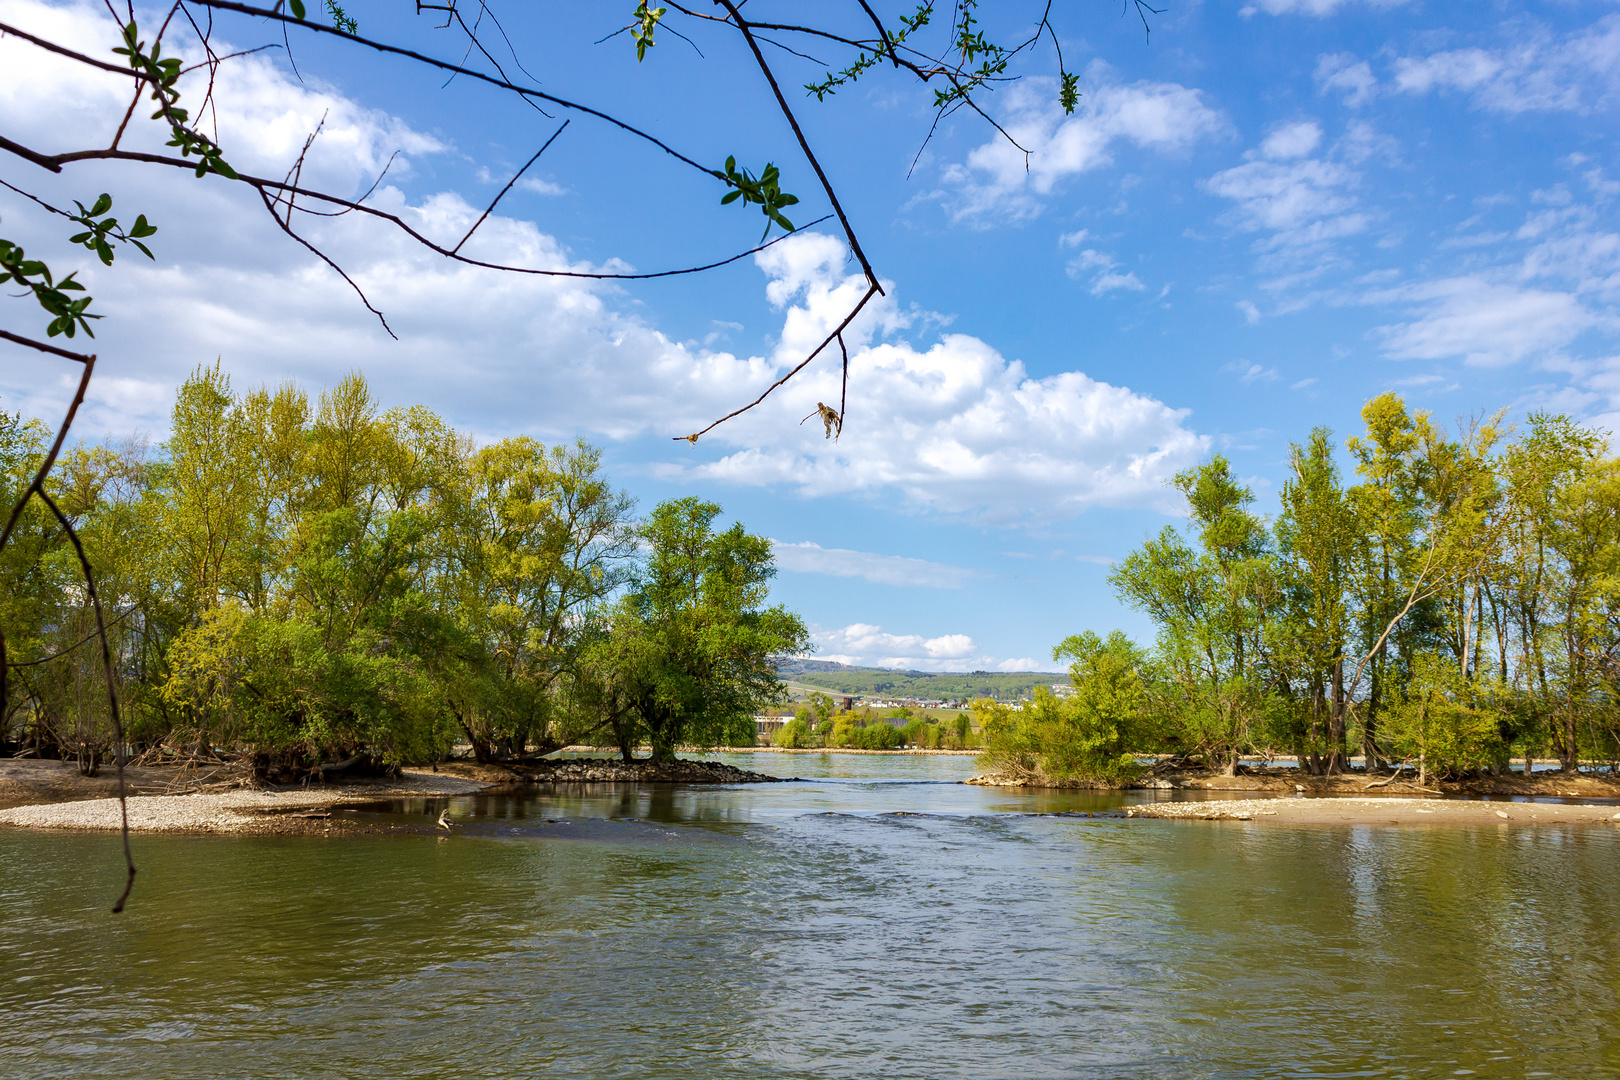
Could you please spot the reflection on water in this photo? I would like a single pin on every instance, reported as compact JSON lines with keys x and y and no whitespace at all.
{"x":876,"y":920}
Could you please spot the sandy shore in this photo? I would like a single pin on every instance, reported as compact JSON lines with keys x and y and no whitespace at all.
{"x":1393,"y":811}
{"x":230,"y":811}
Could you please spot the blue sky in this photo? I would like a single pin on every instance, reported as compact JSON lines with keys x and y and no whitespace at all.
{"x":1256,"y":220}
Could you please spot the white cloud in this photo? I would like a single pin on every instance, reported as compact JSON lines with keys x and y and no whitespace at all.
{"x":1251,"y":373}
{"x":1284,"y":196}
{"x":996,"y":180}
{"x":1292,"y":140}
{"x":866,"y":645}
{"x":1579,"y":72}
{"x":1305,"y":203}
{"x":1303,"y":383}
{"x":1486,"y":323}
{"x":952,"y":427}
{"x":955,"y":428}
{"x":1251,"y":314}
{"x":1352,"y":77}
{"x":1319,"y":8}
{"x":806,"y":557}
{"x":1107,"y":279}
{"x":1112,"y":281}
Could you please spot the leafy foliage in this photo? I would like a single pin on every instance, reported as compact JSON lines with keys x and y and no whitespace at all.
{"x":314,"y":580}
{"x":765,"y":191}
{"x":687,"y":656}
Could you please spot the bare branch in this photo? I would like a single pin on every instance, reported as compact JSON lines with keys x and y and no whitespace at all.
{"x":491,"y":207}
{"x":112,"y":686}
{"x":286,"y":227}
{"x":442,"y":65}
{"x":871,"y":291}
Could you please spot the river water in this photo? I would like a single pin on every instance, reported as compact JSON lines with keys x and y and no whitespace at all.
{"x":876,"y":920}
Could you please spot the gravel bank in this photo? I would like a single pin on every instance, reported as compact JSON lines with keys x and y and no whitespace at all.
{"x":231,"y":811}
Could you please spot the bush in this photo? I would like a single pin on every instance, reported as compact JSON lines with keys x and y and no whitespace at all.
{"x":870,"y":735}
{"x":1438,"y":721}
{"x":1084,"y":738}
{"x":794,"y":735}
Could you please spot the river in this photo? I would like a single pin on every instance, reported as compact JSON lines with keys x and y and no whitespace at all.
{"x":878,"y":919}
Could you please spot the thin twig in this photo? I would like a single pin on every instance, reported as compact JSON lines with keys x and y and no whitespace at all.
{"x":515,"y":176}
{"x":872,"y":290}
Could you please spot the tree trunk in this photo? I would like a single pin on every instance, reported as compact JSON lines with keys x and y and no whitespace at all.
{"x":1369,"y":725}
{"x":1338,"y":760}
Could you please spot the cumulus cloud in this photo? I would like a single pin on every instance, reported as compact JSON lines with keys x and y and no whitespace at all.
{"x":805,"y":557}
{"x":997,"y":181}
{"x":1536,"y":71}
{"x":952,"y":426}
{"x":866,"y":645}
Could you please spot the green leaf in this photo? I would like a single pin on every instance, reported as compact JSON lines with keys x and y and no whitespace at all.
{"x":297,"y":8}
{"x":103,"y":204}
{"x":729,"y":197}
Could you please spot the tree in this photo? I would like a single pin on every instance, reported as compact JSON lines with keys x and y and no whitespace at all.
{"x":1316,"y":537}
{"x":1213,"y":608}
{"x":689,"y":653}
{"x":1087,"y":737}
{"x":540,"y":541}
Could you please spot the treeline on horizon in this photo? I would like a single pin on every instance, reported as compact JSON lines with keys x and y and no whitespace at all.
{"x":331,"y":582}
{"x":1456,"y":607}
{"x":940,"y":685}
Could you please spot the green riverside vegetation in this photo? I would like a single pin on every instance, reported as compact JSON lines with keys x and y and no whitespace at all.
{"x":1456,"y":607}
{"x":335,"y":583}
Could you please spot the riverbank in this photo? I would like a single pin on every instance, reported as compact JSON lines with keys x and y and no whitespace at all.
{"x":1284,"y":781}
{"x":243,"y":810}
{"x":1387,"y":811}
{"x":838,"y":750}
{"x":52,"y":795}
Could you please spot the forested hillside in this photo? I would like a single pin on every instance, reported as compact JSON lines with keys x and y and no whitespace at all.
{"x":933,"y":686}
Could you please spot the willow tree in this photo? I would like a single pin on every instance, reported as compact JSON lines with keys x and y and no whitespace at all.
{"x":538,"y":541}
{"x":689,"y":653}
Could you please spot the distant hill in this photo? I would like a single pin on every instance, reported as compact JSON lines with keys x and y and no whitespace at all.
{"x":948,"y":685}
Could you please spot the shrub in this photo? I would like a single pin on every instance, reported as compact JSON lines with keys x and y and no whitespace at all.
{"x":793,"y":735}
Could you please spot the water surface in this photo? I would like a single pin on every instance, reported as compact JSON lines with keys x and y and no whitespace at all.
{"x":877,"y":919}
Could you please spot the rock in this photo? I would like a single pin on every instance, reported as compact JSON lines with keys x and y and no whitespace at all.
{"x":1501,"y":813}
{"x":608,"y":771}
